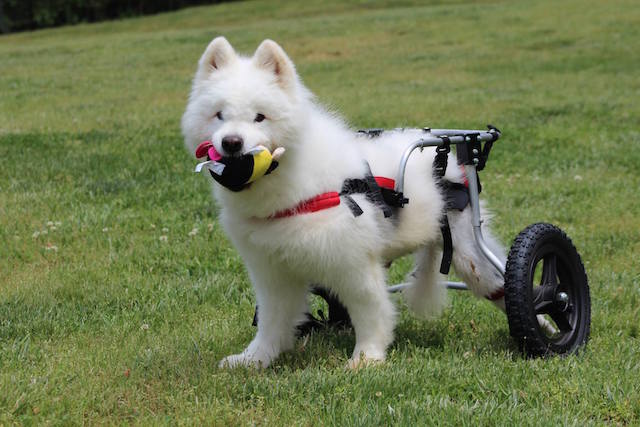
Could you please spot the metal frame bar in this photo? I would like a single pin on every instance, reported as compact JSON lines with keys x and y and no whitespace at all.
{"x":458,"y":286}
{"x":433,"y":138}
{"x":476,"y":219}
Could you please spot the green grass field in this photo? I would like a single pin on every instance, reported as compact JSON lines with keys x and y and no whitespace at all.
{"x":119,"y":291}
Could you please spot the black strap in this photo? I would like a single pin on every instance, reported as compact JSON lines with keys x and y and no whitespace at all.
{"x":393,"y":198}
{"x":447,"y":246}
{"x":370,"y":188}
{"x":375,"y":193}
{"x":440,"y":168}
{"x":484,"y":155}
{"x":442,"y":157}
{"x":354,"y":186}
{"x":487,"y":147}
{"x":356,"y":210}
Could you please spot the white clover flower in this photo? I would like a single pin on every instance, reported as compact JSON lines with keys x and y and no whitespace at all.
{"x":193,"y":232}
{"x":165,"y":230}
{"x":163,"y":238}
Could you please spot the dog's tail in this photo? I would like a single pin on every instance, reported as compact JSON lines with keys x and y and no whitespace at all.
{"x":426,"y":296}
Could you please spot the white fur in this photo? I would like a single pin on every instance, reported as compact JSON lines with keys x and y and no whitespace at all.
{"x":344,"y":253}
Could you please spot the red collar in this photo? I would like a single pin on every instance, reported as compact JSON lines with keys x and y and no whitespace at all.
{"x":318,"y":203}
{"x":325,"y":201}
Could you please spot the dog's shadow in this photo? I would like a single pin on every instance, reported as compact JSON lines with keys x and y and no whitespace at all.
{"x":327,"y":339}
{"x":330,"y":346}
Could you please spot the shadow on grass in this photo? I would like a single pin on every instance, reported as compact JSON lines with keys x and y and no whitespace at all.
{"x":331,"y":347}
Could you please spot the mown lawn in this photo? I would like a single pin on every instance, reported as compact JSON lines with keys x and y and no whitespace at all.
{"x":119,"y":292}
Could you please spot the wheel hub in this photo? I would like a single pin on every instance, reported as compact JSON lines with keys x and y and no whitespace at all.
{"x":562,"y":301}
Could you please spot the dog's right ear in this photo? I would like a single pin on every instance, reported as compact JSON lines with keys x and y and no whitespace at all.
{"x":216,"y":55}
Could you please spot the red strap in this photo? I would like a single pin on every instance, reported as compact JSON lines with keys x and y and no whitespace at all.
{"x":386,"y":182}
{"x":326,"y":200}
{"x":318,"y":203}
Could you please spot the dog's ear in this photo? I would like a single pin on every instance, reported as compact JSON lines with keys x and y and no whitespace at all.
{"x":272,"y":57}
{"x":216,"y":55}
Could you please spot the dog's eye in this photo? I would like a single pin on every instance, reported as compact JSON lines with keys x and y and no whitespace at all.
{"x":259,"y":117}
{"x":219,"y":115}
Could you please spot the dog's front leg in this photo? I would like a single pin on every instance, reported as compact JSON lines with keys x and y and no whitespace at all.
{"x":281,"y":307}
{"x":372,"y":313}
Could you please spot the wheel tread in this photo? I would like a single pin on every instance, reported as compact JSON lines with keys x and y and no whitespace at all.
{"x":517,"y":302}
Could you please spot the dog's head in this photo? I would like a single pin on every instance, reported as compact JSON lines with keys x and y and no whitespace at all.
{"x":239,"y":102}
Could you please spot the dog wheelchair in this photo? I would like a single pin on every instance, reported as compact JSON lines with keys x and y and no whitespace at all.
{"x":543,"y":275}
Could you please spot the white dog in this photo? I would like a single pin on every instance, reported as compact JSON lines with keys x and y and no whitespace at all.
{"x":239,"y":103}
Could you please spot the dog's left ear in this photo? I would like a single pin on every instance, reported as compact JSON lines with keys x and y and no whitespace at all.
{"x":272,"y":57}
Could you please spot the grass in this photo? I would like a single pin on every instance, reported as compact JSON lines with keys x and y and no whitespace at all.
{"x":104,"y":320}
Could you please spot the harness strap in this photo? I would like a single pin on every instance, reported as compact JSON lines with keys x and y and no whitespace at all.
{"x":371,"y":187}
{"x":356,"y":210}
{"x":318,"y":203}
{"x":439,"y":168}
{"x":442,"y":157}
{"x":332,"y":198}
{"x":447,"y":246}
{"x":456,"y":197}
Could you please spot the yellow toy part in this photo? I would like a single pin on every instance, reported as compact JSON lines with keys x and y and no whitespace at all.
{"x":262,"y":160}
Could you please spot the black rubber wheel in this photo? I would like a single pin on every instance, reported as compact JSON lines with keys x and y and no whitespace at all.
{"x":545,"y":276}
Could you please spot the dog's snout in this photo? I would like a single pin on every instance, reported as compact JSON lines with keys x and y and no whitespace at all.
{"x":232,"y":143}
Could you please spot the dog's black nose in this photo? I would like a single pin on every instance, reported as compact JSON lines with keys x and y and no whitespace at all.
{"x":232,"y":144}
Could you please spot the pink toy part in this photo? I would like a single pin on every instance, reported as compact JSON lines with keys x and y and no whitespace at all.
{"x":207,"y":148}
{"x":213,"y":154}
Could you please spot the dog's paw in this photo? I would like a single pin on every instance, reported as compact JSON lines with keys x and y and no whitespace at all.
{"x":362,"y":359}
{"x":356,"y":363}
{"x":241,"y":359}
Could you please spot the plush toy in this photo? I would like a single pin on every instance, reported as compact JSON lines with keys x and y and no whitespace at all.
{"x":237,"y":172}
